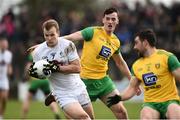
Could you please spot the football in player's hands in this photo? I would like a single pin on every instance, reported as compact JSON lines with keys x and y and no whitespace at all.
{"x":38,"y":69}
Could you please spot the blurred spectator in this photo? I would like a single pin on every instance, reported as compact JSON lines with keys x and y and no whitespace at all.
{"x":5,"y":73}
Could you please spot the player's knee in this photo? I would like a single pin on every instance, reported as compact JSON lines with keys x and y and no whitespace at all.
{"x":25,"y":110}
{"x":145,"y":114}
{"x":119,"y":111}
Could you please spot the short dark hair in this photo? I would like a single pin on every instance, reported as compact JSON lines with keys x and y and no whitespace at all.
{"x":50,"y":23}
{"x":110,"y":10}
{"x":147,"y":34}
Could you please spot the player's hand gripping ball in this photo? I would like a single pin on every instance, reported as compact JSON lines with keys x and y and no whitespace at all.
{"x":37,"y":69}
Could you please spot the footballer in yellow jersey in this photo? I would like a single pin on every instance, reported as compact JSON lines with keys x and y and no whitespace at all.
{"x":153,"y":72}
{"x":156,"y":70}
{"x":97,"y":49}
{"x":100,"y":44}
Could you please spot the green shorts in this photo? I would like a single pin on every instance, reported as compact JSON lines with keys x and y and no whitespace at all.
{"x":39,"y":84}
{"x":161,"y":107}
{"x":99,"y":87}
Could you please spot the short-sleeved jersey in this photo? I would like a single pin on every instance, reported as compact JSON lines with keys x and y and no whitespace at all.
{"x":5,"y":60}
{"x":64,"y":53}
{"x":97,"y":49}
{"x":154,"y":72}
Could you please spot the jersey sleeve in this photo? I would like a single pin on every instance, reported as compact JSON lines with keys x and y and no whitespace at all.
{"x":87,"y":33}
{"x":72,"y":52}
{"x":173,"y":63}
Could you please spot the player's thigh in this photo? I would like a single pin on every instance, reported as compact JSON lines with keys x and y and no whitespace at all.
{"x":105,"y":97}
{"x":4,"y":87}
{"x":4,"y":94}
{"x":116,"y":107}
{"x":149,"y":113}
{"x":75,"y":111}
{"x":173,"y":111}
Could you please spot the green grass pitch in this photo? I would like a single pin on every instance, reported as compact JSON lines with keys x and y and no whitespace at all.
{"x":39,"y":111}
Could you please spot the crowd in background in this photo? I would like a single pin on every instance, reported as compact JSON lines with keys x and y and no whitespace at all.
{"x":21,"y":33}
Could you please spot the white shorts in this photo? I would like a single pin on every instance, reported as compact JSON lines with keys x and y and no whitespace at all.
{"x":80,"y":96}
{"x":4,"y":85}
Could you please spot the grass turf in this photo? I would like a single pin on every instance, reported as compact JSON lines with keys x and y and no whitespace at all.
{"x":39,"y":111}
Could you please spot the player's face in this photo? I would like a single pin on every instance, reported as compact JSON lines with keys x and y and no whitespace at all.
{"x":51,"y":36}
{"x":139,"y":46}
{"x":4,"y":44}
{"x":110,"y":21}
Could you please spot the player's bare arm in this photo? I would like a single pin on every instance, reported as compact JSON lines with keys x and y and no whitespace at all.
{"x":124,"y":68}
{"x":176,"y":74}
{"x":121,"y":64}
{"x":130,"y":91}
{"x":74,"y":36}
{"x":31,"y":49}
{"x":73,"y":67}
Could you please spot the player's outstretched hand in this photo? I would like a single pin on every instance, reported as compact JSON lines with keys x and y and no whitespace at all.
{"x":32,"y":71}
{"x":52,"y":66}
{"x":138,"y":91}
{"x":112,"y":100}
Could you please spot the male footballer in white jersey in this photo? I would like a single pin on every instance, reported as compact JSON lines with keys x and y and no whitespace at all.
{"x":5,"y":71}
{"x":69,"y":91}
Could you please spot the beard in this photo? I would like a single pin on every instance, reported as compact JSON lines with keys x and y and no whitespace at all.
{"x":140,"y":55}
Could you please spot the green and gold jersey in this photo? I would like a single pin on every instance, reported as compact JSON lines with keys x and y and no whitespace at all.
{"x":156,"y":77}
{"x":97,"y":49}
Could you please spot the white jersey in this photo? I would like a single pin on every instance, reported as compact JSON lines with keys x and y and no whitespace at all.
{"x":64,"y":52}
{"x":5,"y":60}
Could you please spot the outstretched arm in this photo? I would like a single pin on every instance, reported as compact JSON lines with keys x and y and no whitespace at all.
{"x":121,"y":64}
{"x":31,"y":49}
{"x":128,"y":93}
{"x":131,"y":90}
{"x":74,"y":36}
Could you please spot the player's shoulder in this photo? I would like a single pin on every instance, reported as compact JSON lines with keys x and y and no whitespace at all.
{"x":64,"y":42}
{"x":163,"y":52}
{"x":137,"y":62}
{"x":40,"y":47}
{"x":8,"y":53}
{"x":97,"y":28}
